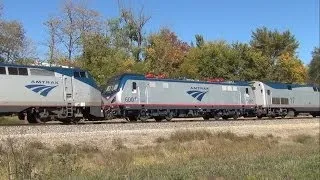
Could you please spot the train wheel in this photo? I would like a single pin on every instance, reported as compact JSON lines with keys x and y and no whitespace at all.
{"x":169,"y":117}
{"x":32,"y":118}
{"x":216,"y":117}
{"x":158,"y":118}
{"x":133,"y":118}
{"x":259,"y":116}
{"x":225,"y":117}
{"x":143,"y":118}
{"x":206,"y":117}
{"x":235,"y":117}
{"x":66,"y":122}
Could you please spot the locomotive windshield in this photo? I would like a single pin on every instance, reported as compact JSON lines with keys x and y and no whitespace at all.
{"x":111,"y":86}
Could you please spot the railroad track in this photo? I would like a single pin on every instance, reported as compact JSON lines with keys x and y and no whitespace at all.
{"x":176,"y":120}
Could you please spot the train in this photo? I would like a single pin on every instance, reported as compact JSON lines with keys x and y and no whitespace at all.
{"x":40,"y":94}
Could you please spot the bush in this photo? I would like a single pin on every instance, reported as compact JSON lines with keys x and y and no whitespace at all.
{"x":302,"y":138}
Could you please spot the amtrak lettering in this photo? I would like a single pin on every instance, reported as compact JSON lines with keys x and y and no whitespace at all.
{"x":200,"y":88}
{"x":44,"y":82}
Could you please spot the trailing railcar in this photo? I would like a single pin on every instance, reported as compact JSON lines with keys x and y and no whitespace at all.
{"x":278,"y":99}
{"x":39,"y":93}
{"x":137,"y":97}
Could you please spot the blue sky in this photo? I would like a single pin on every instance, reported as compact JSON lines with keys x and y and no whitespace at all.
{"x":231,"y":20}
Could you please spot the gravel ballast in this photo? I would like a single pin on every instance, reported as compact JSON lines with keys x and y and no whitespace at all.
{"x":132,"y":134}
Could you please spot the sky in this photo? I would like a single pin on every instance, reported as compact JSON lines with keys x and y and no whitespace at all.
{"x":230,"y":20}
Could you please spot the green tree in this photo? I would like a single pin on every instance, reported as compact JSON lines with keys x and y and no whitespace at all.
{"x":165,"y":53}
{"x":249,"y":64}
{"x":273,"y":45}
{"x":199,"y":40}
{"x":314,"y":67}
{"x":213,"y":59}
{"x":290,"y":70}
{"x":102,"y":60}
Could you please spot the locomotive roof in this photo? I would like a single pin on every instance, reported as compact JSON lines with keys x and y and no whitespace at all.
{"x":53,"y":68}
{"x":127,"y":76}
{"x":275,"y":85}
{"x":62,"y":70}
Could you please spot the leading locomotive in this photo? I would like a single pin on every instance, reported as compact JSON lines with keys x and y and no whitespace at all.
{"x":40,"y":93}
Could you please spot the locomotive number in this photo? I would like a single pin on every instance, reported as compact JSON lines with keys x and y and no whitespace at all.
{"x":130,"y":99}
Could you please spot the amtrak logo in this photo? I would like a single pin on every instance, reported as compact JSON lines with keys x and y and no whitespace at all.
{"x":197,"y":94}
{"x":42,"y":89}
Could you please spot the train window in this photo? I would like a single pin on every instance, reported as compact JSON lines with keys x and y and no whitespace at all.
{"x":79,"y":74}
{"x":134,"y":86}
{"x":289,"y":87}
{"x":268,"y":92}
{"x":318,"y":89}
{"x":3,"y":70}
{"x":13,"y":71}
{"x":247,"y":90}
{"x":76,"y":74}
{"x":314,"y":88}
{"x":41,"y":72}
{"x":284,"y":101}
{"x":23,"y":71}
{"x":83,"y":74}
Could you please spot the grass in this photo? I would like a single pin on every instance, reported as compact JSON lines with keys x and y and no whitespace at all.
{"x":5,"y":120}
{"x":303,"y":138}
{"x":181,"y":155}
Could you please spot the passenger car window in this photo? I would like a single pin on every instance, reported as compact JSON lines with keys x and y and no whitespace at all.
{"x":13,"y":71}
{"x":3,"y":70}
{"x":23,"y":71}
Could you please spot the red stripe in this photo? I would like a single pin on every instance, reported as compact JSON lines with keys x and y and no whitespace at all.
{"x":125,"y":104}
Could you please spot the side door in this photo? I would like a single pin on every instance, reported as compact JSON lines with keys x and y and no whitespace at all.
{"x":268,"y":95}
{"x":142,"y":90}
{"x":68,"y":88}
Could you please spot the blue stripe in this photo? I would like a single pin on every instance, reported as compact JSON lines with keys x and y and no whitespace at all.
{"x":40,"y":88}
{"x":196,"y":94}
{"x":201,"y":96}
{"x":45,"y":92}
{"x":33,"y":85}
